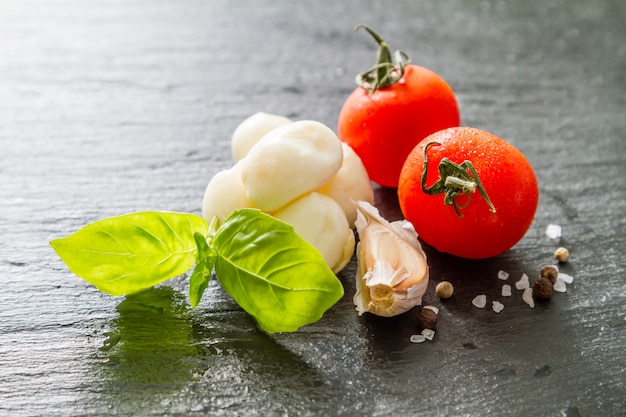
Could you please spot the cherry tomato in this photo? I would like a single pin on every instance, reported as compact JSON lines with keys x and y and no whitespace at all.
{"x":396,"y":106}
{"x":478,"y":197}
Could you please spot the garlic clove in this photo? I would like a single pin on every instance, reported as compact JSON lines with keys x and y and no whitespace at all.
{"x":392,"y":271}
{"x":351,"y":183}
{"x":251,"y":130}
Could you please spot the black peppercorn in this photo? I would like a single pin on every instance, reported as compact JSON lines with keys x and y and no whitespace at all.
{"x":543,"y":288}
{"x":427,"y":318}
{"x":550,"y":272}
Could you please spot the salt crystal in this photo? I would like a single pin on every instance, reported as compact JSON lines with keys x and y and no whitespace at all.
{"x":553,"y":231}
{"x":567,"y":278}
{"x":497,"y":306}
{"x":506,"y":290}
{"x":428,"y":334}
{"x":417,"y":338}
{"x":432,"y":308}
{"x":559,"y":285}
{"x":528,"y":297}
{"x":523,"y":283}
{"x":480,"y":301}
{"x":503,"y":275}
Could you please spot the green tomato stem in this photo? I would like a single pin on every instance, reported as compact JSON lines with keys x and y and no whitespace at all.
{"x":389,"y":68}
{"x":460,"y":184}
{"x":454,"y":180}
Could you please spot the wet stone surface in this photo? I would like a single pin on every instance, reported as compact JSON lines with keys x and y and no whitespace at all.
{"x":110,"y":107}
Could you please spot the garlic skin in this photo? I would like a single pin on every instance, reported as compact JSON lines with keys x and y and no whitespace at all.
{"x":289,"y":162}
{"x":392,"y":271}
{"x":351,"y":183}
{"x":251,"y":130}
{"x":224,"y":194}
{"x":319,"y":220}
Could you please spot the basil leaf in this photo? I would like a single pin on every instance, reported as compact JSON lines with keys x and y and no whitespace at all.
{"x":272,"y":273}
{"x":201,"y":275}
{"x":125,"y":254}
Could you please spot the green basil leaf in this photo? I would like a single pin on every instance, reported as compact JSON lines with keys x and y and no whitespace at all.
{"x":201,"y":275}
{"x":272,"y":273}
{"x":125,"y":254}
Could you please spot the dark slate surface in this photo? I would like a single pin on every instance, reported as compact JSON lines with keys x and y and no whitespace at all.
{"x":108,"y":107}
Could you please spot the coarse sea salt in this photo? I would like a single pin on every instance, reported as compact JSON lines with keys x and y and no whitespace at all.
{"x":553,"y":231}
{"x":428,"y":334}
{"x":480,"y":301}
{"x":503,"y":275}
{"x":523,"y":283}
{"x":506,"y":290}
{"x":432,"y":308}
{"x":497,"y":306}
{"x":567,"y":278}
{"x":559,"y":285}
{"x":418,"y":338}
{"x":528,"y":297}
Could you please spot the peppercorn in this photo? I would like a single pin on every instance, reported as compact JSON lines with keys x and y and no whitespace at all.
{"x":427,"y":318}
{"x":444,"y":289}
{"x":561,"y":254}
{"x":543,"y":288}
{"x":550,"y":272}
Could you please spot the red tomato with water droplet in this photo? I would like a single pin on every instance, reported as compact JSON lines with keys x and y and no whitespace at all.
{"x":383,"y":127}
{"x":396,"y":106}
{"x":476,"y":232}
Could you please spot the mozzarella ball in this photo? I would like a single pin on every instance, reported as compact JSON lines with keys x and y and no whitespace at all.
{"x":351,"y":183}
{"x":289,"y":162}
{"x":224,"y":194}
{"x":320,"y":221}
{"x":251,"y":130}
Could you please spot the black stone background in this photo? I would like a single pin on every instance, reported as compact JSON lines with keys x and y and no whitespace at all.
{"x":111,"y":106}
